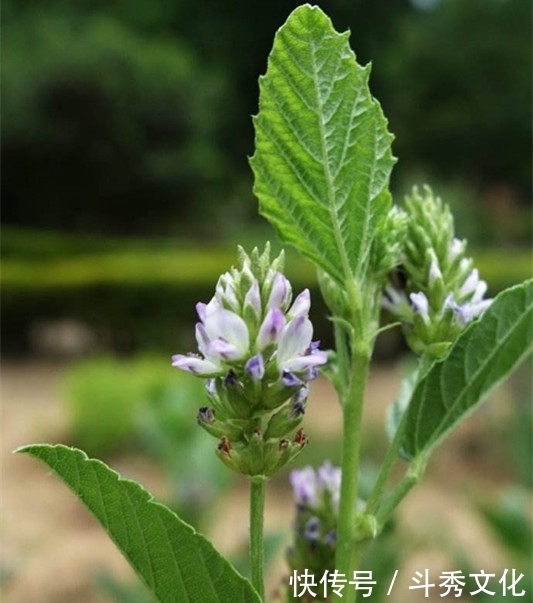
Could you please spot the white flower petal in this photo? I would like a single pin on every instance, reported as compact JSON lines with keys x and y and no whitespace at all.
{"x":457,"y":246}
{"x":480,"y":307}
{"x":204,"y":310}
{"x":304,"y":486}
{"x":421,"y":305}
{"x":295,"y":339}
{"x":253,"y":298}
{"x":271,"y":328}
{"x":226,"y":325}
{"x":202,"y":338}
{"x":220,"y":348}
{"x":299,"y":364}
{"x":470,"y":285}
{"x":434,"y":272}
{"x":195,"y":365}
{"x":329,"y":477}
{"x":480,"y":291}
{"x":280,"y":293}
{"x":301,"y":305}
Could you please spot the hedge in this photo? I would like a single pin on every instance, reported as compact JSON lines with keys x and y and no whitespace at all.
{"x":142,"y":295}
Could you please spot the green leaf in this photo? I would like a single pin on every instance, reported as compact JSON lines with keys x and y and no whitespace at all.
{"x":177,"y":564}
{"x":323,"y":159}
{"x":484,"y":354}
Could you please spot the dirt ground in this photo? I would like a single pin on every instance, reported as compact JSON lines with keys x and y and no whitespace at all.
{"x":51,"y":547}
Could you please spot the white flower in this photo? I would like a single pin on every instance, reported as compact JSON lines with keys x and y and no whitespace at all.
{"x":221,"y":336}
{"x":250,"y":327}
{"x":395,"y":302}
{"x":421,"y":305}
{"x":295,"y":354}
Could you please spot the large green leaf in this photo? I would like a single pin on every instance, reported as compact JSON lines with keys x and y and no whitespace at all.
{"x":482,"y":356}
{"x":323,"y":158}
{"x":177,"y":564}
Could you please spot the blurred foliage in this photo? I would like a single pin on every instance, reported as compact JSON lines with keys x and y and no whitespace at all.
{"x":134,"y":117}
{"x":102,"y":404}
{"x":141,"y":404}
{"x":510,"y":521}
{"x":465,"y":73}
{"x":169,"y":432}
{"x":105,"y":129}
{"x":104,"y":399}
{"x":123,"y":593}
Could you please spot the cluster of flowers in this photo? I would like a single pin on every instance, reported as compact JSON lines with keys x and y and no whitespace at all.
{"x":316,"y":494}
{"x":443,"y":292}
{"x":256,"y":351}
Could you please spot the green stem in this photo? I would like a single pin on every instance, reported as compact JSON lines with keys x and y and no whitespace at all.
{"x":353,"y":406}
{"x":257,"y":507}
{"x":386,"y":469}
{"x":376,"y":495}
{"x":409,"y":480}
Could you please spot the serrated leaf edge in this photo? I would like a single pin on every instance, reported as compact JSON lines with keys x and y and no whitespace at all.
{"x":149,"y":499}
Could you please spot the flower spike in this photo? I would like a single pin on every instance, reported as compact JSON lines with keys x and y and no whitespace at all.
{"x":256,"y":351}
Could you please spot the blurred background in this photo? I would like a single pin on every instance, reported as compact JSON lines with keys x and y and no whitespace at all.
{"x":125,"y":189}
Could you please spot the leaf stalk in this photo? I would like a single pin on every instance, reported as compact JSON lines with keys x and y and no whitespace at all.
{"x":410,"y":479}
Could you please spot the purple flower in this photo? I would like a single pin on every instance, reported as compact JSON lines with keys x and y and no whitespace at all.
{"x":304,"y":486}
{"x":204,"y":310}
{"x":227,"y":335}
{"x":222,"y":336}
{"x":290,"y":379}
{"x":468,"y":310}
{"x":331,"y":538}
{"x":311,"y":487}
{"x":251,"y":328}
{"x":312,"y":529}
{"x":256,"y":367}
{"x":270,"y":328}
{"x":329,"y":480}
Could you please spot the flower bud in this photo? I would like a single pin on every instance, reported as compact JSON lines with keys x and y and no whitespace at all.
{"x":251,"y":311}
{"x":280,"y":293}
{"x":206,"y":418}
{"x":228,"y":455}
{"x":286,"y":419}
{"x":444,"y":291}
